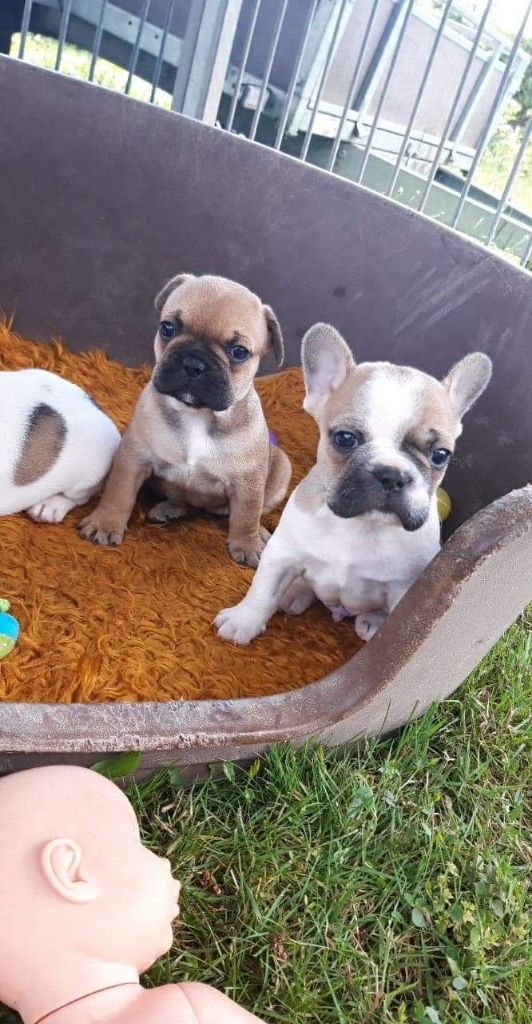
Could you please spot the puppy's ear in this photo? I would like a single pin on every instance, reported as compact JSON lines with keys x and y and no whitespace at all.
{"x":274,"y":334}
{"x":174,"y":282}
{"x":466,"y":381}
{"x":326,"y":361}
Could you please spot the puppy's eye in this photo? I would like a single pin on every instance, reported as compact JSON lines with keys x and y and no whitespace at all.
{"x":238,"y":353}
{"x":167,"y":330}
{"x":440,"y":457}
{"x":345,"y":440}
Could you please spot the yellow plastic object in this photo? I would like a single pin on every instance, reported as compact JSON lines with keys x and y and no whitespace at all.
{"x":444,"y":504}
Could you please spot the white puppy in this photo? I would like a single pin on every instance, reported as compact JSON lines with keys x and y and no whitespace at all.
{"x":362,"y":526}
{"x":56,"y":445}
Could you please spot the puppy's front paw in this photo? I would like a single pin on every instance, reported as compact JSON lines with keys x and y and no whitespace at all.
{"x":248,"y":551}
{"x":53,"y":510}
{"x":102,"y":528}
{"x":368,"y":623}
{"x":239,"y":624}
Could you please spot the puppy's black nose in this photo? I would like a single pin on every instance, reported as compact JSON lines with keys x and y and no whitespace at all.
{"x":193,"y":366}
{"x":391,"y":478}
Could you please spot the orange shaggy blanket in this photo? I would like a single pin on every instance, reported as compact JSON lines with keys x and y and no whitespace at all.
{"x":134,"y":623}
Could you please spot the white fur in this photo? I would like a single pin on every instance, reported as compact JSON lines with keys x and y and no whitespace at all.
{"x":359,"y":566}
{"x":392,"y":400}
{"x":389,"y":402}
{"x":79,"y":471}
{"x":346,"y":563}
{"x":198,"y":447}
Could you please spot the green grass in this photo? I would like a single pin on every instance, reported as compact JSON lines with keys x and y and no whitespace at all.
{"x":76,"y":62}
{"x":384,"y":885}
{"x":497,"y":161}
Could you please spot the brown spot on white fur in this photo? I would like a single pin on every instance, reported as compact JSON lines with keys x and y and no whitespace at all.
{"x":43,"y":443}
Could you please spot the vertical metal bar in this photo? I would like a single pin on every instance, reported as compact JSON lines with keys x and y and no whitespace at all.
{"x":454,"y":106}
{"x":386,"y":85}
{"x":63,"y":29}
{"x":509,"y":182}
{"x":459,"y":129}
{"x":26,"y":16}
{"x":352,"y":87}
{"x":136,"y":47}
{"x":170,"y":4}
{"x":492,"y":115}
{"x":242,"y":69}
{"x":207,"y":45}
{"x":295,"y":75}
{"x":428,"y":68}
{"x":326,"y":68}
{"x":521,"y":61}
{"x":527,"y":252}
{"x":384,"y":45}
{"x":267,"y":70}
{"x":97,"y":40}
{"x":314,"y":57}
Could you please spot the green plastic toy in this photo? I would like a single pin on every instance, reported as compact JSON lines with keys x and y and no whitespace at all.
{"x":9,"y":629}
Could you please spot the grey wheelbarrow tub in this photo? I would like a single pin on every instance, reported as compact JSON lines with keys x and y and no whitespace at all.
{"x":101,"y":199}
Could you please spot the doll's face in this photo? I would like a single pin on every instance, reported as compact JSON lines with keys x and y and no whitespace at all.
{"x":79,"y":884}
{"x":137,"y":896}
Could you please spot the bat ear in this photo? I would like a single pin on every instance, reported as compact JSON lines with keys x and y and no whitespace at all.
{"x":275,"y":335}
{"x":466,"y":381}
{"x":169,"y":287}
{"x":326,"y":361}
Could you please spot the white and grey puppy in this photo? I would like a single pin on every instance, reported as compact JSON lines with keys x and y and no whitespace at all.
{"x":363,"y":524}
{"x":56,"y":445}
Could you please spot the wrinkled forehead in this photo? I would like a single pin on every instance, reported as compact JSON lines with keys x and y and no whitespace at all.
{"x":217,"y":310}
{"x":389,"y":402}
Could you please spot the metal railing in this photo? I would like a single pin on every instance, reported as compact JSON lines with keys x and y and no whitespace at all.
{"x":394,"y":94}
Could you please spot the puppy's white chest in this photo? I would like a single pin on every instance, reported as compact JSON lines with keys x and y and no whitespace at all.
{"x":353,"y":563}
{"x":188,"y":451}
{"x":342,"y":571}
{"x":196,"y":443}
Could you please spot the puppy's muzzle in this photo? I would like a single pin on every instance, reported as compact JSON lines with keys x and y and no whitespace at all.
{"x":383,"y":488}
{"x":192,"y":373}
{"x":193,"y":366}
{"x":392,"y":479}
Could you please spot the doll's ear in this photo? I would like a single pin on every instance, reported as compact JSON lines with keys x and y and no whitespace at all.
{"x":61,"y":862}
